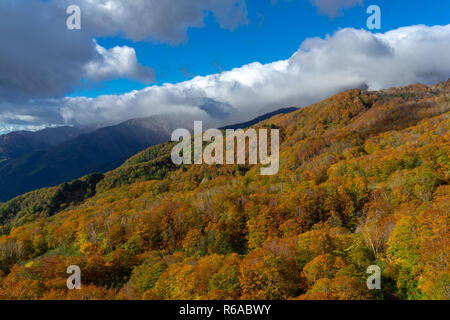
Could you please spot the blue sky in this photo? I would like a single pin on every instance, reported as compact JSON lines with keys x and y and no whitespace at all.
{"x":275,"y":31}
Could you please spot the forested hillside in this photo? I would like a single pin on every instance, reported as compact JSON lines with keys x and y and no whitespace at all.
{"x":363,"y":180}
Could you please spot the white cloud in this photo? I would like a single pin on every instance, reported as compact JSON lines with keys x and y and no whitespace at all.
{"x":4,"y":129}
{"x":18,"y":122}
{"x":117,"y":62}
{"x":320,"y":68}
{"x":40,"y":58}
{"x":333,"y":8}
{"x":157,"y":20}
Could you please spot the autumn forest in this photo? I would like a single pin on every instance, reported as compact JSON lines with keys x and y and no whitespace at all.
{"x":363,"y":180}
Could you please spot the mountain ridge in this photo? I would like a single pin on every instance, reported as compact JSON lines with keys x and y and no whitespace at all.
{"x":15,"y":144}
{"x":266,"y":116}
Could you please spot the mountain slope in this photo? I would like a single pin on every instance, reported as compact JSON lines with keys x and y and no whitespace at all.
{"x":98,"y":151}
{"x":364,"y":180}
{"x":15,"y":144}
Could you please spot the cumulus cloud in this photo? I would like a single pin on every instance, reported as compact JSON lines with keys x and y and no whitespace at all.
{"x":333,"y":8}
{"x":117,"y":62}
{"x":320,"y":68}
{"x":156,"y":20}
{"x":40,"y":58}
{"x":41,"y":61}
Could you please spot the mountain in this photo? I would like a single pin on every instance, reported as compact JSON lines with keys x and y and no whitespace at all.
{"x":98,"y":151}
{"x":15,"y":144}
{"x":363,"y":181}
{"x":259,"y":119}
